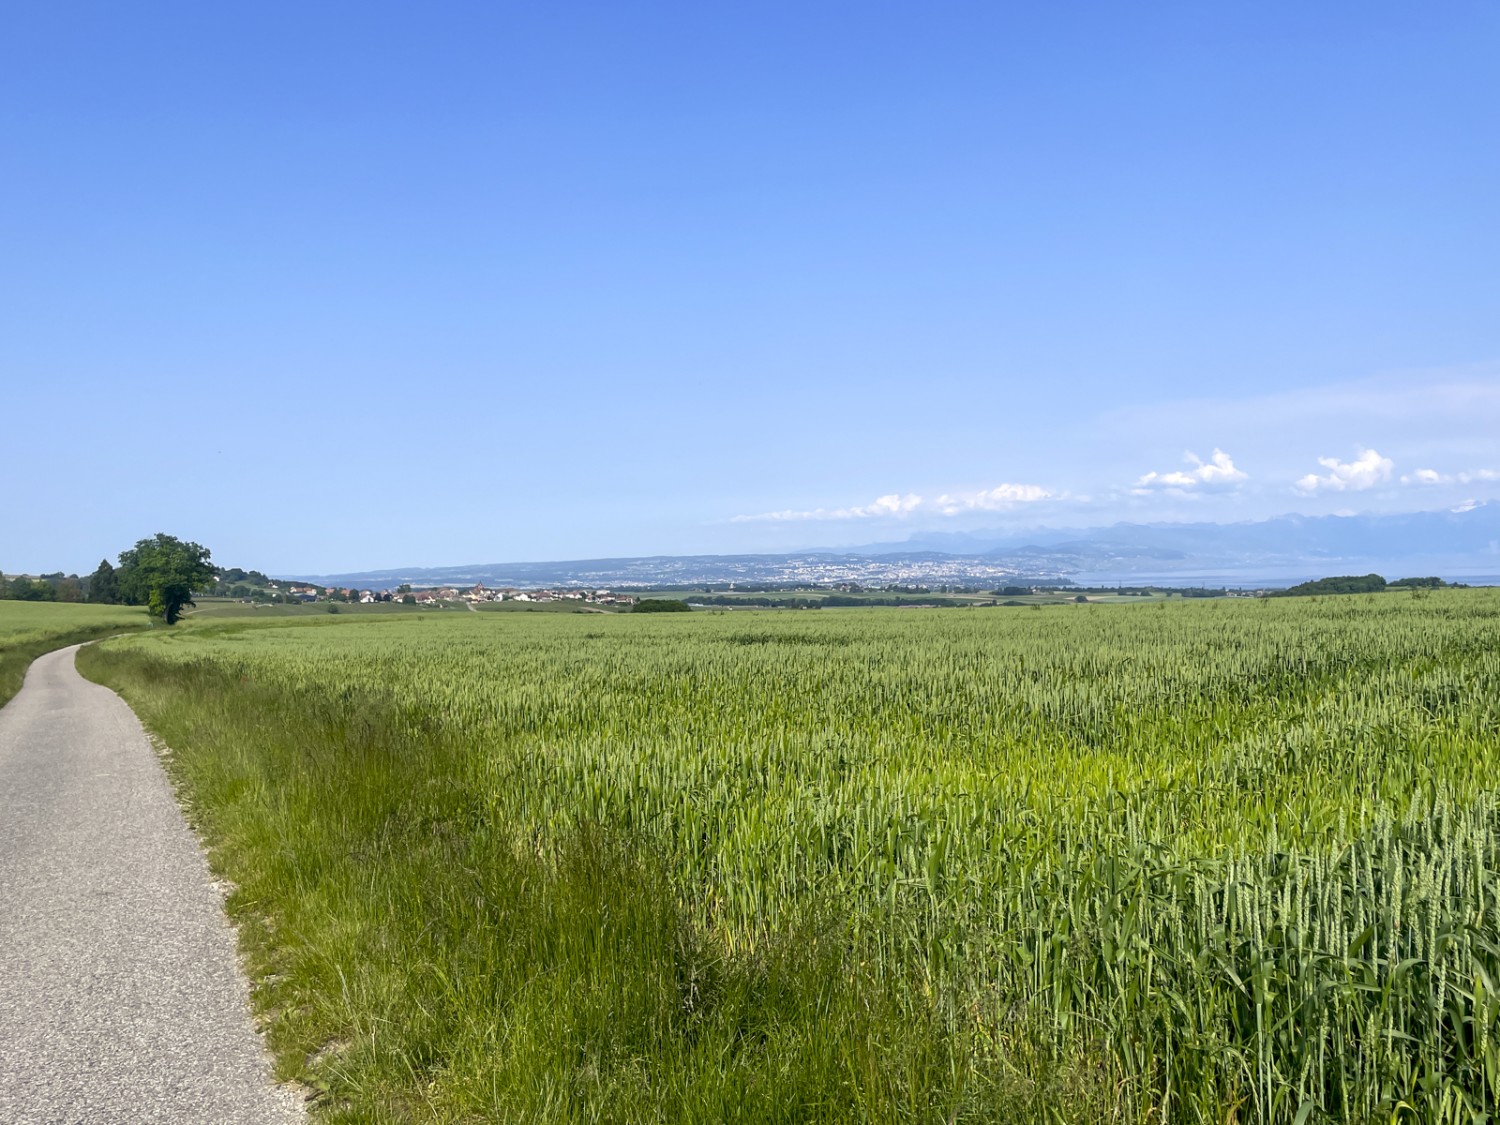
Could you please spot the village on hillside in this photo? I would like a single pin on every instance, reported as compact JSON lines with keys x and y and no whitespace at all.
{"x":475,"y":594}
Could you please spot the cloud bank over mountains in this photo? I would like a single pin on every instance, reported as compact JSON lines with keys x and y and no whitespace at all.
{"x":1433,"y":477}
{"x":1000,"y":498}
{"x":1218,"y":471}
{"x":1463,"y":543}
{"x":1396,"y":442}
{"x":1364,"y":472}
{"x":1219,"y":474}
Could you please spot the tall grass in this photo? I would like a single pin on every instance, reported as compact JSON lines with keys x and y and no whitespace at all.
{"x":1205,"y":862}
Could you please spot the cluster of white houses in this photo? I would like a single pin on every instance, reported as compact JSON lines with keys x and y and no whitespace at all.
{"x":448,"y":594}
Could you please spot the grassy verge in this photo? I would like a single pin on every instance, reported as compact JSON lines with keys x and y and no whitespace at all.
{"x":29,"y":629}
{"x":418,"y":958}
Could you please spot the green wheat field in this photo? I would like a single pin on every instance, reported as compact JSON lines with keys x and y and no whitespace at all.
{"x":1219,"y":861}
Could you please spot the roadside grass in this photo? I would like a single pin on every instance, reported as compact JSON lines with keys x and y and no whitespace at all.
{"x":29,"y":629}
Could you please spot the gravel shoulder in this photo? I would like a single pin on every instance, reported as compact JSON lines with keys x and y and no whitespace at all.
{"x":120,"y":995}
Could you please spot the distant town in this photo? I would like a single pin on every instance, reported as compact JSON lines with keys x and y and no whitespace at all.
{"x":252,"y":586}
{"x":806,"y":570}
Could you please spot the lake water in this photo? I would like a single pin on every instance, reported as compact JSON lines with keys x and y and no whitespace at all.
{"x":1260,"y":579}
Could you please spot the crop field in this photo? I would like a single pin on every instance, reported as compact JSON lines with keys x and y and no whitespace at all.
{"x":210,"y":607}
{"x":1216,"y":861}
{"x":28,"y":629}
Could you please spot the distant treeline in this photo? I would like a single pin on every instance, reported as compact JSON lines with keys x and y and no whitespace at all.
{"x":661,"y":605}
{"x":104,"y":586}
{"x":1357,"y":584}
{"x":236,"y":583}
{"x":57,"y":587}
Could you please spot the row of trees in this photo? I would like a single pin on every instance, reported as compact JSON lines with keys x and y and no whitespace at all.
{"x":1358,"y":584}
{"x":57,"y":587}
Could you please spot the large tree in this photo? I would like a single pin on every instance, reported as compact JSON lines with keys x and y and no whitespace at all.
{"x":162,"y":573}
{"x":104,"y":584}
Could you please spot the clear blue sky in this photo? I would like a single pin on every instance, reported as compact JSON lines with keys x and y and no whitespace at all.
{"x":328,"y":287}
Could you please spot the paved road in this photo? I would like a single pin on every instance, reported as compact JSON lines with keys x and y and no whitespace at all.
{"x":120,"y":998}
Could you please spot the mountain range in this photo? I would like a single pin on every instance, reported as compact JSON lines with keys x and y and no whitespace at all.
{"x":1457,"y":544}
{"x":1466,"y":536}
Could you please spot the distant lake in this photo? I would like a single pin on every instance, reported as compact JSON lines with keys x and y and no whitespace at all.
{"x":1259,"y":579}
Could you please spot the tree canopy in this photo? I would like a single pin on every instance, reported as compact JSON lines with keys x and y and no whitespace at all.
{"x":1339,"y":584}
{"x":22,"y":589}
{"x":162,"y":573}
{"x":104,"y":584}
{"x":661,"y":605}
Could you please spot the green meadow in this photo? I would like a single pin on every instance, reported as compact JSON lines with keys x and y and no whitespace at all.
{"x":28,"y":629}
{"x":1191,"y":861}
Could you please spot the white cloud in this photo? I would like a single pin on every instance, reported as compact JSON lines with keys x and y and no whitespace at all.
{"x":997,"y":499}
{"x":896,"y":506}
{"x":893,"y":505}
{"x":1444,"y":419}
{"x":1432,"y":476}
{"x":1218,"y":471}
{"x":1425,"y":476}
{"x":1365,"y":471}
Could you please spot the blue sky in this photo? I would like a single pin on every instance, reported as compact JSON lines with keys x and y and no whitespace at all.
{"x":328,"y":287}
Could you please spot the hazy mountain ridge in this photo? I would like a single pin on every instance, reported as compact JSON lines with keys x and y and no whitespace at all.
{"x":1461,"y":531}
{"x":815,"y":567}
{"x":1454,"y":542}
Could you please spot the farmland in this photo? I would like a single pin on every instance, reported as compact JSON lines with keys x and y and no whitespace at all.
{"x":1215,"y":861}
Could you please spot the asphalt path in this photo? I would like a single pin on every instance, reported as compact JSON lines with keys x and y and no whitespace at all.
{"x":120,"y":996}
